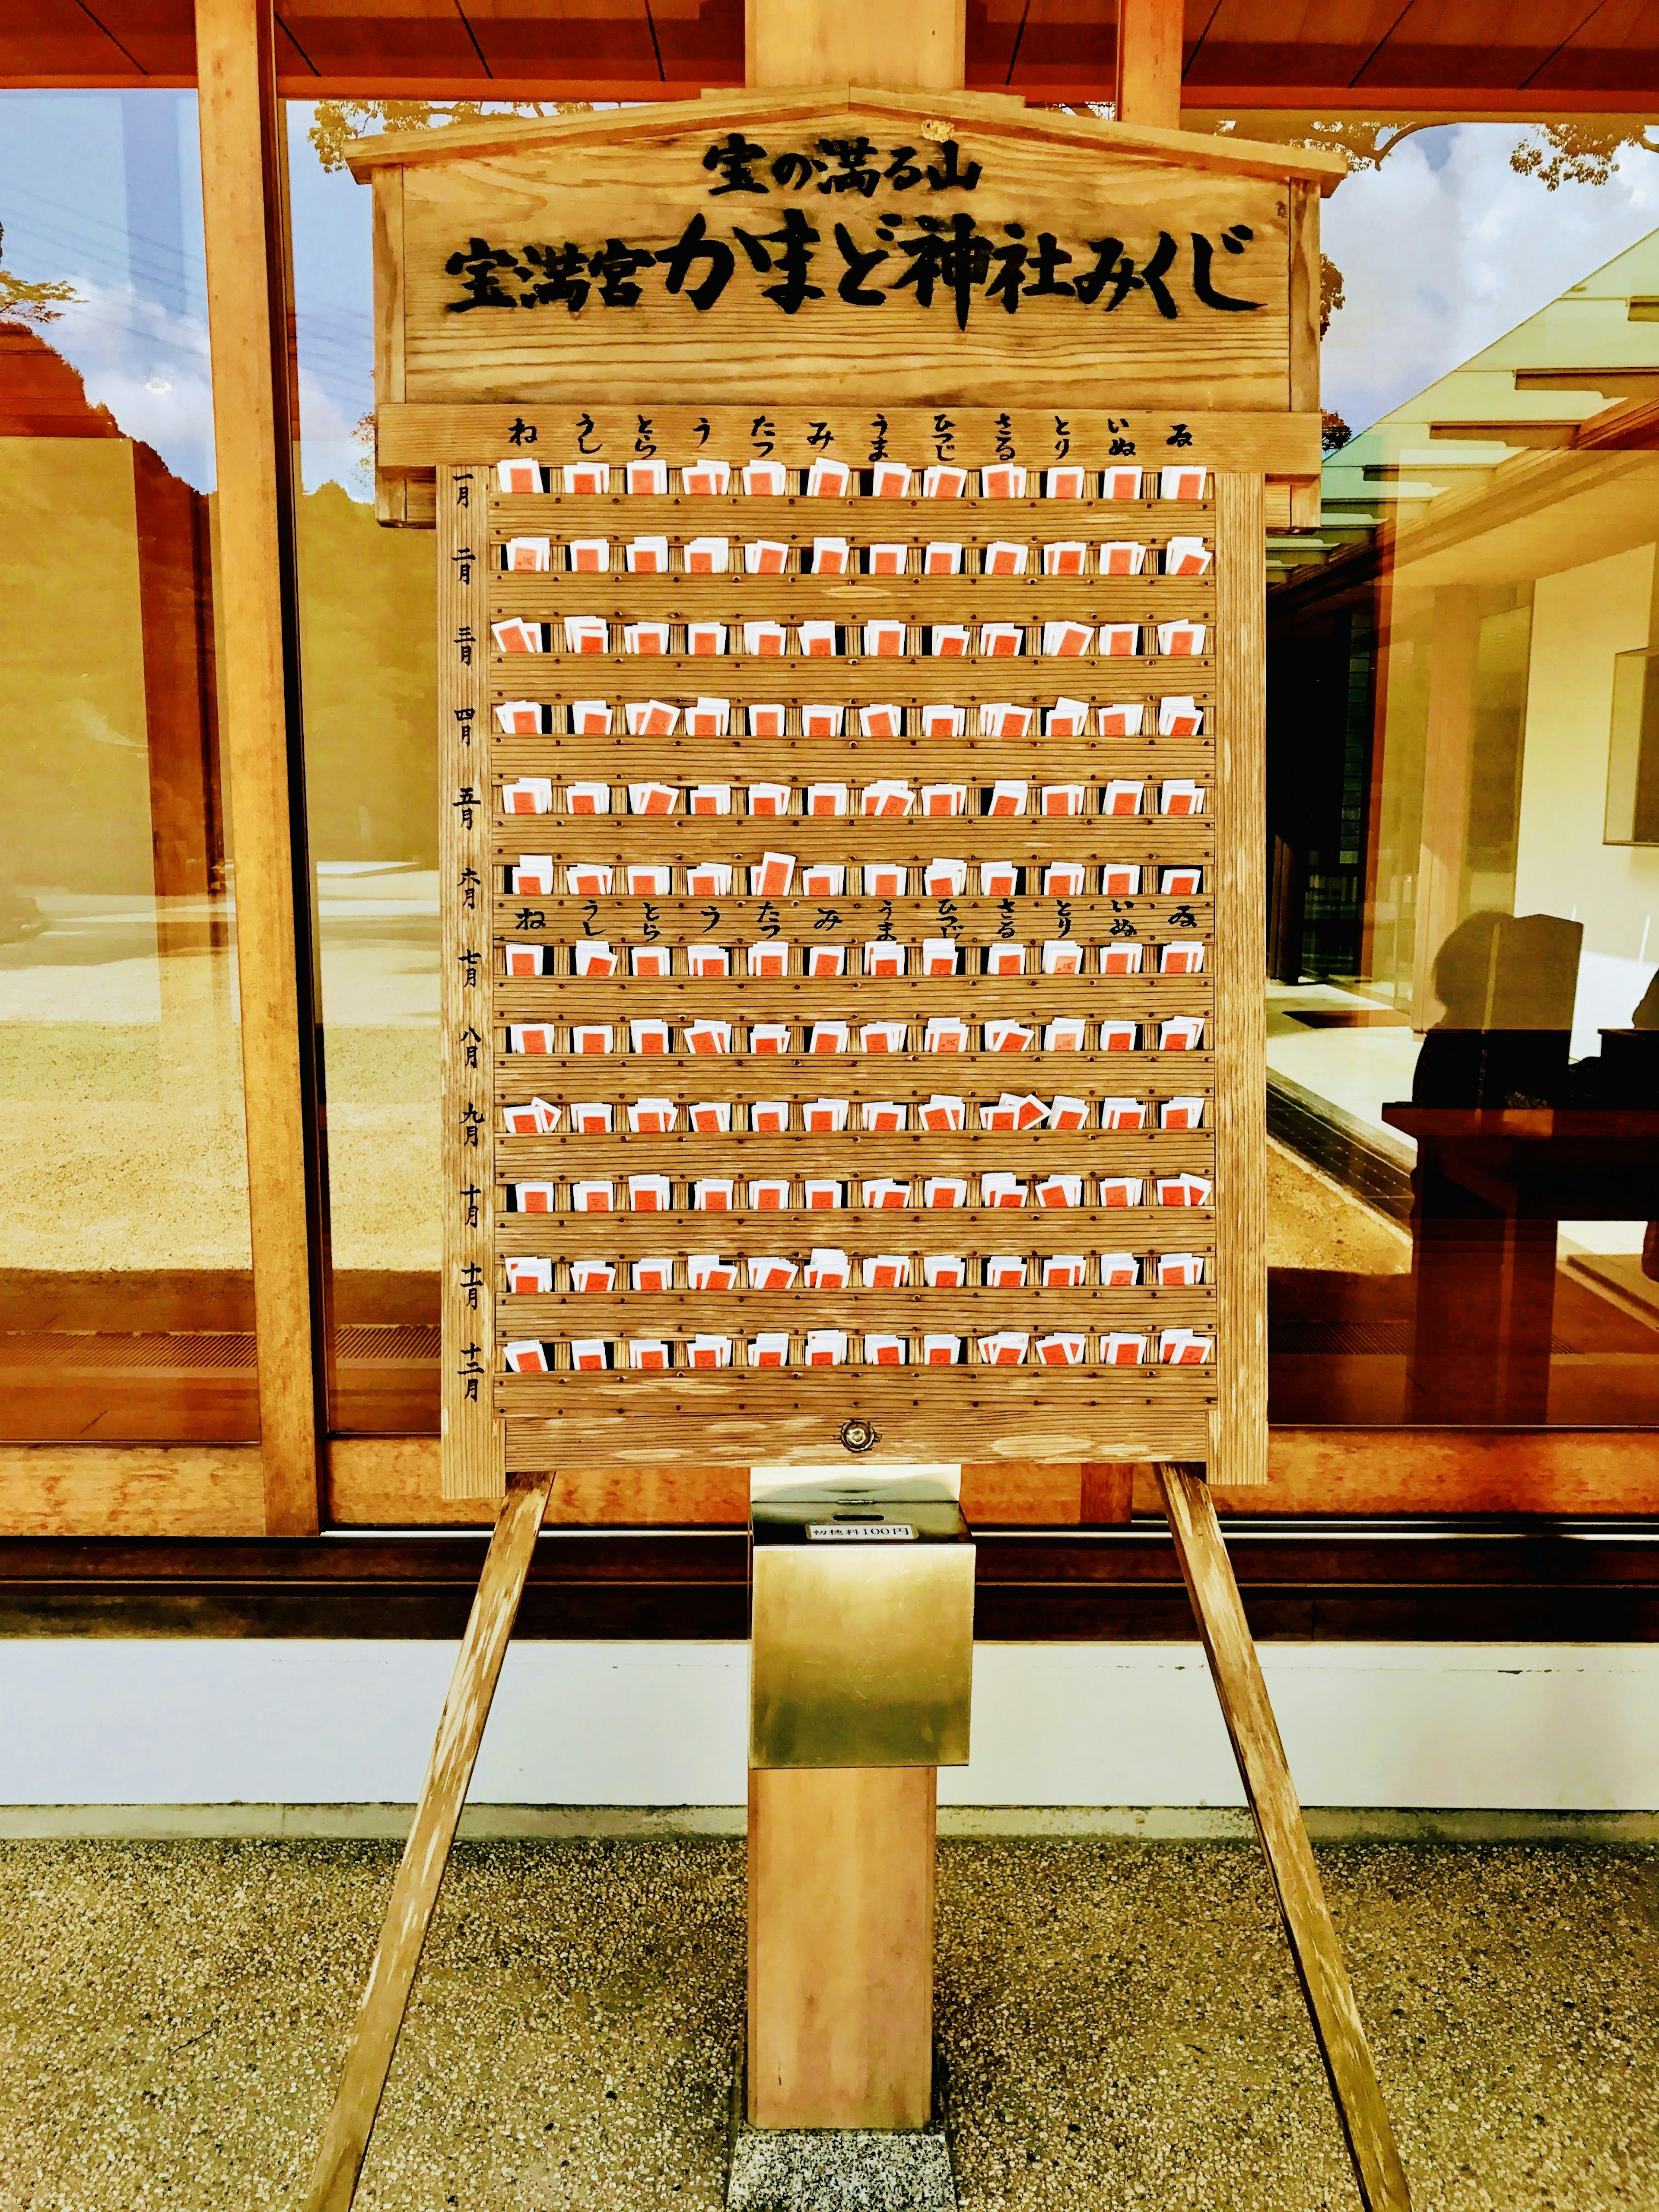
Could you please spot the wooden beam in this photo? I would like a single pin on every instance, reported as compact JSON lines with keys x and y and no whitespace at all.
{"x":1628,"y":426}
{"x":921,"y":47}
{"x":208,"y":1490}
{"x":1611,"y":383}
{"x":391,"y":506}
{"x":426,"y":1856}
{"x":175,"y":604}
{"x":1304,"y":273}
{"x":1148,"y":84}
{"x":243,"y":212}
{"x":1266,"y":1775}
{"x":1544,"y":434}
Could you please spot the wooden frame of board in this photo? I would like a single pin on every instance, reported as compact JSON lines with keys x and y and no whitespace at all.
{"x":1154,"y":1409}
{"x":899,"y":245}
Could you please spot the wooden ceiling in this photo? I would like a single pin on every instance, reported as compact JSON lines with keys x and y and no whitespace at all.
{"x":1365,"y":56}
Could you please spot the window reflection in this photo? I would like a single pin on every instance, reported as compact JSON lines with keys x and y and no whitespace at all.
{"x":367,"y":595}
{"x":1464,"y":1030}
{"x":125,"y":1302}
{"x":367,"y":599}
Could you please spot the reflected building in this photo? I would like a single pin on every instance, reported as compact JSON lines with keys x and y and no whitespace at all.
{"x":1464,"y":825}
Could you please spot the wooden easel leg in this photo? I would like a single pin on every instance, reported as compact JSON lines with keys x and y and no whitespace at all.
{"x":414,"y":1892}
{"x":1267,"y":1784}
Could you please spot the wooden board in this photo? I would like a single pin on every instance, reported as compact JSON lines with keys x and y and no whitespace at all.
{"x":1005,"y":113}
{"x":935,"y":258}
{"x":1238,"y":1448}
{"x":573,"y":320}
{"x":544,"y":915}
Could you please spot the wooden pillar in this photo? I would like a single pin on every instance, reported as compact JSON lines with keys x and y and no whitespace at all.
{"x":199,"y":1066}
{"x":921,"y":47}
{"x":181,"y":716}
{"x":1149,"y":34}
{"x":840,"y":1946}
{"x":1106,"y":1498}
{"x":1448,"y":768}
{"x":243,"y":210}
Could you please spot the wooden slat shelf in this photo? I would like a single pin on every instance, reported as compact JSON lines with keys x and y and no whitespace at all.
{"x":896,"y":680}
{"x":970,"y":519}
{"x":620,"y":759}
{"x":708,"y":830}
{"x":849,"y":998}
{"x":861,"y":1230}
{"x":855,"y":1365}
{"x":731,"y":1075}
{"x":683,"y":1314}
{"x":734,"y":595}
{"x":1115,"y":1389}
{"x":860,"y":1153}
{"x":1028,"y":840}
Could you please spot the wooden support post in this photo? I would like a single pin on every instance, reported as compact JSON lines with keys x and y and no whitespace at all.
{"x":243,"y":208}
{"x":181,"y":718}
{"x":840,"y":1946}
{"x":1149,"y":62}
{"x":1306,"y":332}
{"x":414,"y":1892}
{"x":1107,"y":1493}
{"x":919,"y":48}
{"x":1453,"y":658}
{"x":1267,"y":1777}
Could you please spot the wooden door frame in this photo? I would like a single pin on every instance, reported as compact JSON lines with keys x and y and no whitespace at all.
{"x":243,"y":198}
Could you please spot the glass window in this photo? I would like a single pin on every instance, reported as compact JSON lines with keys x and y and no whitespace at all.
{"x":368,"y":598}
{"x":1464,"y":930}
{"x":125,"y":1298}
{"x":367,"y":608}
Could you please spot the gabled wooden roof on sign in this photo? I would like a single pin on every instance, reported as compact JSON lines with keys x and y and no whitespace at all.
{"x":996,"y":115}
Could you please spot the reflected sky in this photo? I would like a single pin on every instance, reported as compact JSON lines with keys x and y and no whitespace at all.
{"x":333,"y":287}
{"x":104,"y":190}
{"x":1445,"y":245}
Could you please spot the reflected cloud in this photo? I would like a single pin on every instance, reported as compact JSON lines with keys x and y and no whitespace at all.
{"x":149,"y":366}
{"x":1445,"y":246}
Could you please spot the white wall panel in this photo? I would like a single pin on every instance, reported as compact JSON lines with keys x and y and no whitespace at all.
{"x":104,"y":1721}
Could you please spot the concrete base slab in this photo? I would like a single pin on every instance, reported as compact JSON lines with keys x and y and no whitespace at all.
{"x":839,"y":2170}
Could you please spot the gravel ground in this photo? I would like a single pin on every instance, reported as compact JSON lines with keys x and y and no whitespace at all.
{"x":1120,"y":2022}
